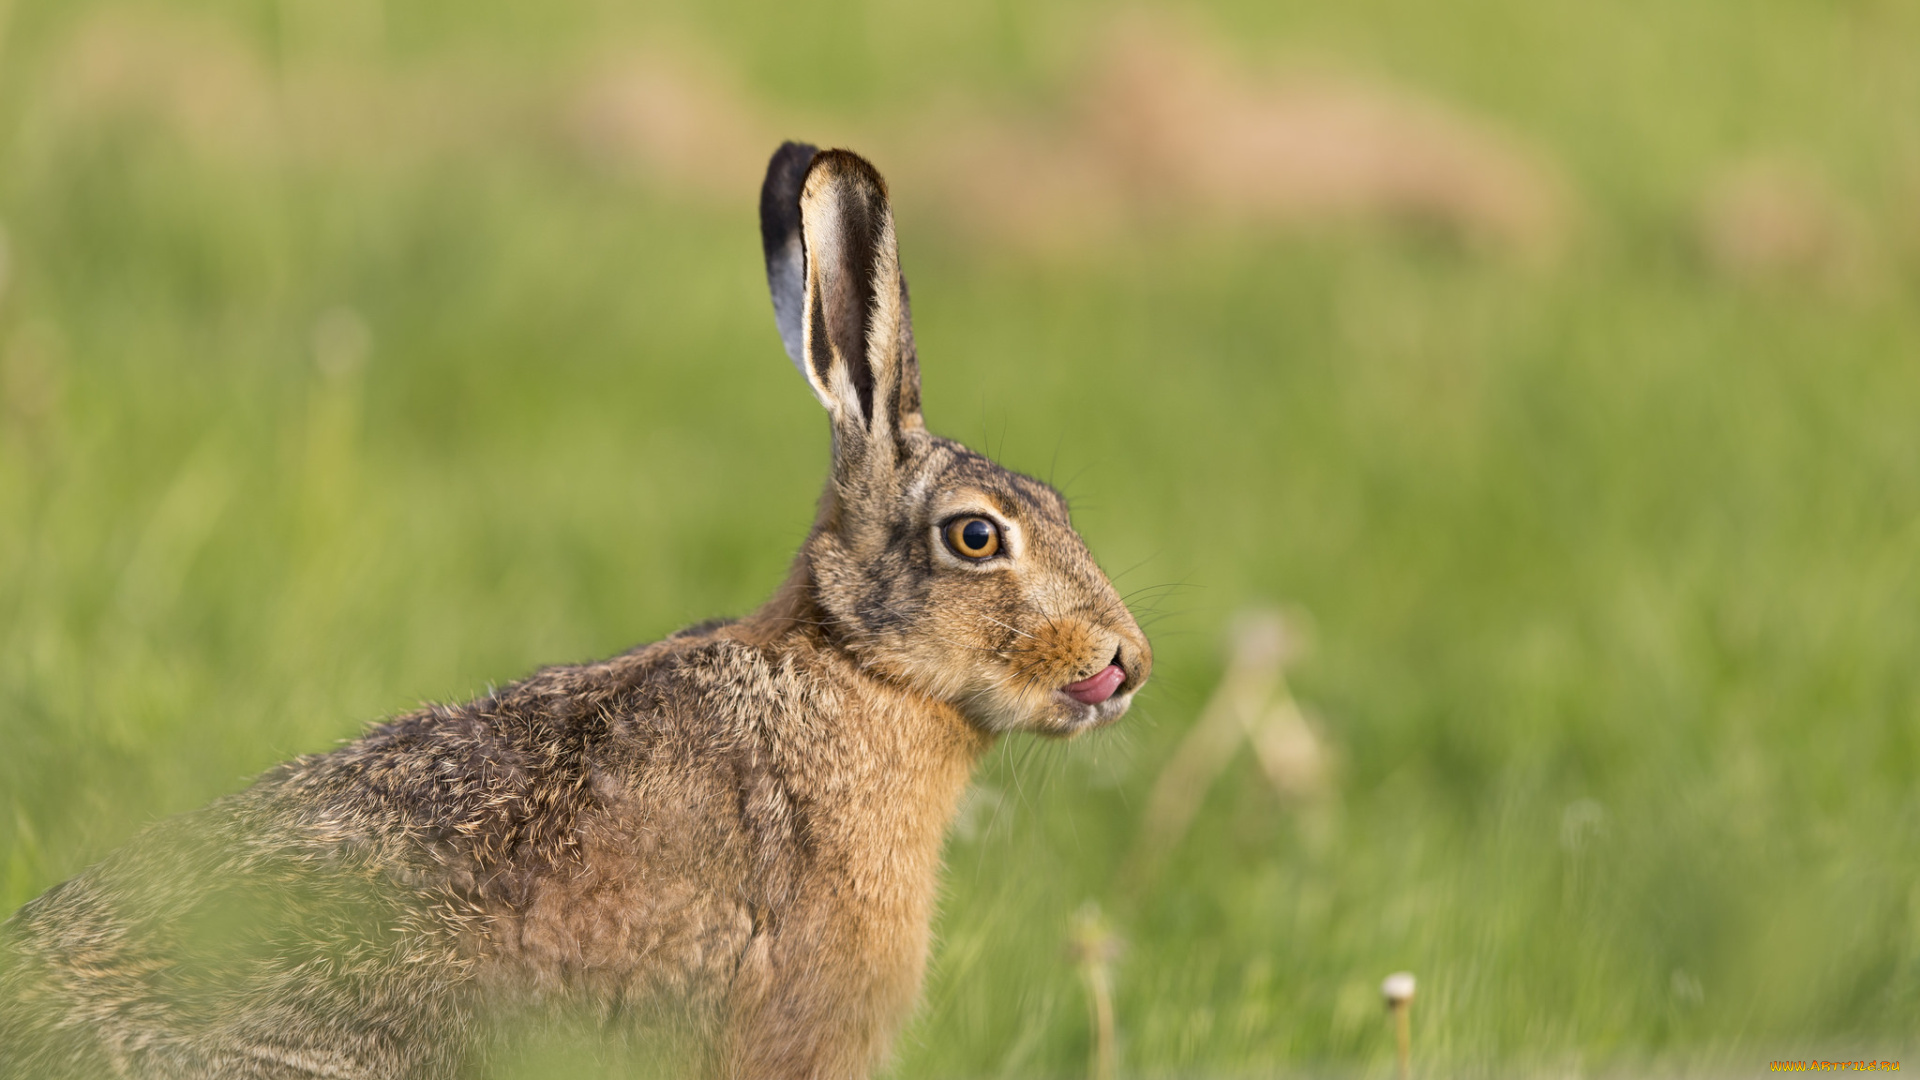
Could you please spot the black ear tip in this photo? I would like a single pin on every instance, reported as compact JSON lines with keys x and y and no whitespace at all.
{"x":789,"y":163}
{"x":780,"y":192}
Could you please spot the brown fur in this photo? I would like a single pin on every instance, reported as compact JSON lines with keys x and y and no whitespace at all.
{"x":730,"y":837}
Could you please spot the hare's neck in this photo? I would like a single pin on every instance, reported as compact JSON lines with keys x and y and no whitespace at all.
{"x":885,"y":766}
{"x":900,"y":764}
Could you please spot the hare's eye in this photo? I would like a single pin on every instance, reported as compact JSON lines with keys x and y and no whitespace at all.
{"x":973,"y":537}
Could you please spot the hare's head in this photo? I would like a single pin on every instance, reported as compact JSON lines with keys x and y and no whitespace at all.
{"x":930,"y":564}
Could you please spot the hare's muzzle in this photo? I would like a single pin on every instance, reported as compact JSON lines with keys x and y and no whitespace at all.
{"x":1100,"y":687}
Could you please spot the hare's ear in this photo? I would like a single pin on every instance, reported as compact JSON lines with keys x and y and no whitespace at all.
{"x":856,"y":334}
{"x":780,"y":238}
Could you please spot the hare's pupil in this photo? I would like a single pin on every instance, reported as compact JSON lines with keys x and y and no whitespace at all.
{"x":976,"y":535}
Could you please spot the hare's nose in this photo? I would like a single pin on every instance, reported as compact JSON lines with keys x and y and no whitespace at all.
{"x":1136,"y":660}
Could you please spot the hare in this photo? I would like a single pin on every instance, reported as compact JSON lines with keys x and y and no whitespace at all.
{"x":731,"y":836}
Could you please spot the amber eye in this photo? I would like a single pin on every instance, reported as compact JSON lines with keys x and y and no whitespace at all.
{"x":973,"y":537}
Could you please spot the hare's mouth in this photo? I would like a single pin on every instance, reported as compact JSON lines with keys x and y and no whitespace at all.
{"x":1092,"y":702}
{"x":1113,"y":679}
{"x":1076,"y":716}
{"x":1098,"y":687}
{"x":1096,"y":700}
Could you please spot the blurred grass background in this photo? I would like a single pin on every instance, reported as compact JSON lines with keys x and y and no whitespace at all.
{"x":1558,"y":363}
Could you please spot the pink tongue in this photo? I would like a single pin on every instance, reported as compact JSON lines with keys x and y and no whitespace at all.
{"x":1099,"y":688}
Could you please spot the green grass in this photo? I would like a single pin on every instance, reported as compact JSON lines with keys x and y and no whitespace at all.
{"x":1611,"y":563}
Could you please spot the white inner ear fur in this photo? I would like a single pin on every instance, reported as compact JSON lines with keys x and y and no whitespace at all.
{"x":824,"y":238}
{"x":883,"y":326}
{"x":840,"y":387}
{"x":822,"y":248}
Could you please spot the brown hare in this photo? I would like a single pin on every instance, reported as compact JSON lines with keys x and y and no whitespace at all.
{"x":732,"y":835}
